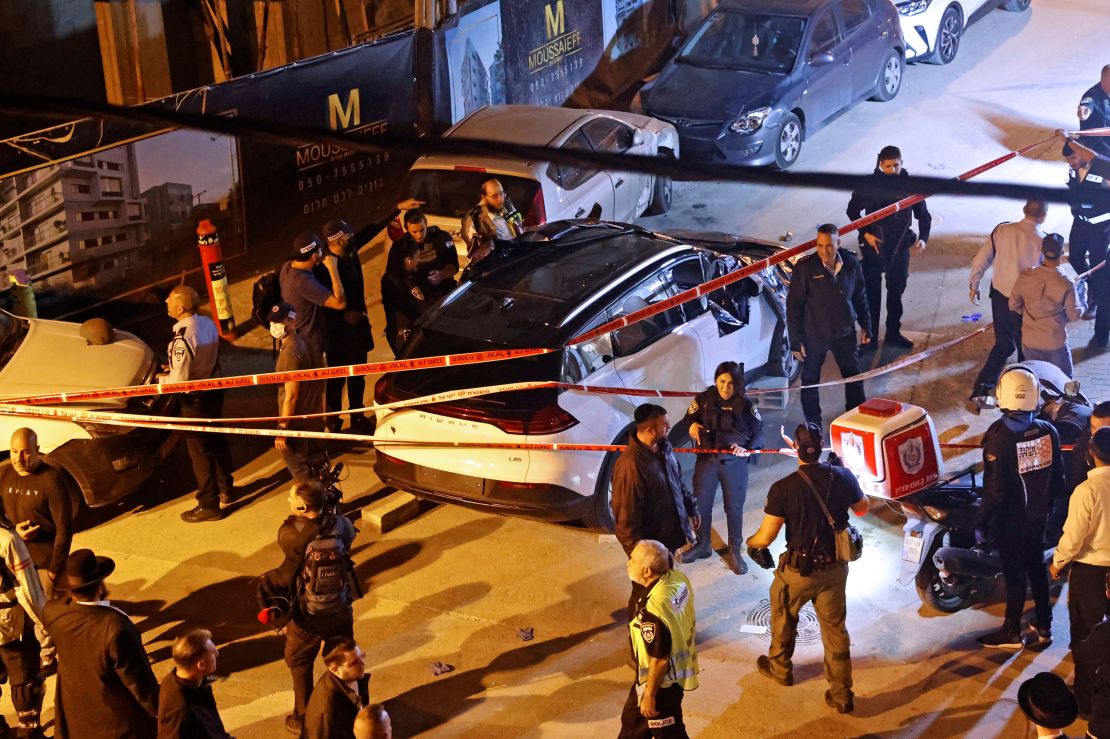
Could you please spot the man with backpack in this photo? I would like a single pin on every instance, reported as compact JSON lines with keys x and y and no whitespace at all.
{"x":316,"y":544}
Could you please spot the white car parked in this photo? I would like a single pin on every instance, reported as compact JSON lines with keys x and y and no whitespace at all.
{"x":541,"y":191}
{"x":544,"y":289}
{"x":933,"y":29}
{"x":39,"y":357}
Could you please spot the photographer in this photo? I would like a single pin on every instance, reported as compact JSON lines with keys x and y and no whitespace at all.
{"x":810,"y":569}
{"x":320,"y":598}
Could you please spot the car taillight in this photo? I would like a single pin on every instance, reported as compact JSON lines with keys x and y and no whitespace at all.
{"x":550,"y":419}
{"x":537,"y":212}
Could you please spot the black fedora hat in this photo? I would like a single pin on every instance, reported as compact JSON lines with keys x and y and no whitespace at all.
{"x":83,"y":568}
{"x":1046,"y":701}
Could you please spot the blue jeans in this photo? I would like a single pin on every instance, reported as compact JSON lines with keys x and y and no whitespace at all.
{"x":732,"y":476}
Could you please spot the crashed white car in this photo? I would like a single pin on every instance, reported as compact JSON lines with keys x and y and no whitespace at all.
{"x":40,"y":357}
{"x":543,"y":192}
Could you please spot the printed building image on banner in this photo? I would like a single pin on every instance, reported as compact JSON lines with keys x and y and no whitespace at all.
{"x":475,"y":60}
{"x":556,"y":44}
{"x":119,"y":219}
{"x":631,"y":27}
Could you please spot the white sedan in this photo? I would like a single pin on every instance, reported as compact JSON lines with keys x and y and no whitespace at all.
{"x":933,"y":28}
{"x":541,"y":191}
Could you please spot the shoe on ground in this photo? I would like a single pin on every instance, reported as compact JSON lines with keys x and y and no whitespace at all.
{"x":694,"y":553}
{"x":868,"y":347}
{"x":294,"y":725}
{"x":763,"y":664}
{"x":1004,"y":638}
{"x":1097,"y":344}
{"x":846,"y":707}
{"x":737,"y":563}
{"x":897,"y":339}
{"x":229,"y":496}
{"x":363,"y":425}
{"x":333,"y":424}
{"x":1042,"y":638}
{"x":199,"y":514}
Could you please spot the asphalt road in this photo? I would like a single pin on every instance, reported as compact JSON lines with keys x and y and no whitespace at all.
{"x":457,"y":586}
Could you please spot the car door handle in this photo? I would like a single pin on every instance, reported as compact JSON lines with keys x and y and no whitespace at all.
{"x":580,"y":212}
{"x":620,"y":181}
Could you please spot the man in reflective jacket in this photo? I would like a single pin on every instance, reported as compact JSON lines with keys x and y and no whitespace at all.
{"x":661,"y":631}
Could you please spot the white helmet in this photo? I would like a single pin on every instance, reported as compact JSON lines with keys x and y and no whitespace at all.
{"x":1018,"y":390}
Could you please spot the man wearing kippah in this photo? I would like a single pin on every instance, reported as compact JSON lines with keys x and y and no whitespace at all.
{"x":1047,"y":301}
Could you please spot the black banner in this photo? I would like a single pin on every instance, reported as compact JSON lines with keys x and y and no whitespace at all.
{"x":556,"y":44}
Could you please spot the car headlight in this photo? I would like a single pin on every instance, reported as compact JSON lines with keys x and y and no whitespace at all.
{"x":914,"y":7}
{"x":750,"y":122}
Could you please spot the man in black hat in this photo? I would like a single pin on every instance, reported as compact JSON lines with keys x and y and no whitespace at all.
{"x":1048,"y":704}
{"x":299,"y":397}
{"x":301,"y":289}
{"x":106,"y":689}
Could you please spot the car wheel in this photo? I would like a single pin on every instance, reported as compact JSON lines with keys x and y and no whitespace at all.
{"x":661,"y":192}
{"x":948,"y":37}
{"x":1017,"y":6}
{"x":599,"y":516}
{"x":890,"y":77}
{"x":789,"y":142}
{"x":781,"y":361}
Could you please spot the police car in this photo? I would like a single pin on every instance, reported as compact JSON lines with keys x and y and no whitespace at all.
{"x":39,"y":357}
{"x":933,"y":29}
{"x":542,"y":290}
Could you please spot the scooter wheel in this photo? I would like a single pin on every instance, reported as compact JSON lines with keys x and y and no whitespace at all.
{"x":946,"y":597}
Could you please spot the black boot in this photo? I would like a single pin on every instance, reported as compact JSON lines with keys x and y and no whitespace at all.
{"x":693,"y":554}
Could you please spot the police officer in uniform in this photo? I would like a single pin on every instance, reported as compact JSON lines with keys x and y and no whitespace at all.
{"x":885,"y":247}
{"x":1023,"y":474}
{"x":809,"y":570}
{"x":1094,"y":112}
{"x":1090,"y":230}
{"x":661,"y":630}
{"x":722,"y":418}
{"x":194,"y":354}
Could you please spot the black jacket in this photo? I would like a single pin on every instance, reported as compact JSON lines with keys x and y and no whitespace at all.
{"x":332,"y":709}
{"x":188,"y":712}
{"x":438,"y":242}
{"x":820,"y":308}
{"x":733,"y":421}
{"x":106,"y":689}
{"x":649,"y":498}
{"x":894,"y":231}
{"x":293,"y":537}
{"x":1023,"y":473}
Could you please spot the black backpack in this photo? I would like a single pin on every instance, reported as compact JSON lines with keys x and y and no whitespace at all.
{"x":323,"y":584}
{"x":266,"y":294}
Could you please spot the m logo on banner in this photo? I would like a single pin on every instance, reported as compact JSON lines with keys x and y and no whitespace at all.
{"x":340,"y":115}
{"x":555,"y":19}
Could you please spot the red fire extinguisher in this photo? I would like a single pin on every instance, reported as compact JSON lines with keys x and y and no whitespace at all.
{"x":212,"y":261}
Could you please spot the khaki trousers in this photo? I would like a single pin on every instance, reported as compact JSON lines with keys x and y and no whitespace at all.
{"x":789,"y":592}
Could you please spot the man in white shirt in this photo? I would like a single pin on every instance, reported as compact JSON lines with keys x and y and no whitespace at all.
{"x":1085,"y":545}
{"x":1011,"y":248}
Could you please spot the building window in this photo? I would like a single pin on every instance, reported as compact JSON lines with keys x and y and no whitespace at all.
{"x":80,"y":189}
{"x":110,"y":166}
{"x":106,"y":215}
{"x":134,"y":212}
{"x":89,"y":243}
{"x":86,"y":215}
{"x":111,"y":186}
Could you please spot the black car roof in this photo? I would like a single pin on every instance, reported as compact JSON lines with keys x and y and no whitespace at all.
{"x":776,"y":7}
{"x":556,"y":286}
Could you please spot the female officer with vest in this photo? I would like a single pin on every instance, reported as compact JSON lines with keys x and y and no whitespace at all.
{"x":722,"y":417}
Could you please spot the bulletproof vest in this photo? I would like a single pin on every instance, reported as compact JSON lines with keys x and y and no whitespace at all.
{"x":724,"y":419}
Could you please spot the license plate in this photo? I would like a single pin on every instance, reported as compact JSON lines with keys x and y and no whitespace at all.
{"x":912,"y":546}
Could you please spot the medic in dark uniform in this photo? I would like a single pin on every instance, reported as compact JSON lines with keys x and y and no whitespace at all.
{"x":1023,"y":475}
{"x":885,"y":248}
{"x":1090,"y":229}
{"x":1094,"y":112}
{"x":722,"y":417}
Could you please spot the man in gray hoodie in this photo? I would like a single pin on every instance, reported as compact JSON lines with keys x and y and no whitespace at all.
{"x":1047,"y":301}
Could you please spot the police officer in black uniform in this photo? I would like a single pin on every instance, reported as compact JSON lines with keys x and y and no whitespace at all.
{"x":1023,"y":474}
{"x":1090,"y":229}
{"x":723,"y":418}
{"x":885,"y":247}
{"x":1094,"y":112}
{"x":348,"y":332}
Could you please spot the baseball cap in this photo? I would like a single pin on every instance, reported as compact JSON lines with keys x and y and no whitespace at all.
{"x":281,"y":313}
{"x":1052,"y":245}
{"x":808,"y":438}
{"x":335,"y":227}
{"x":306,"y":244}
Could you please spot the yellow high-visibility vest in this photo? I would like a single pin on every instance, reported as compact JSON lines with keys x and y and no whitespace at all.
{"x":672,"y":601}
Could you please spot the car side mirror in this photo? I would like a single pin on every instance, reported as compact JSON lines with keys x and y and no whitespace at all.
{"x":638,"y":138}
{"x":821,"y":59}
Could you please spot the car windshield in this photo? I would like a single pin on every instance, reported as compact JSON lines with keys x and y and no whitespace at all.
{"x":751,"y":42}
{"x":12,"y":331}
{"x":452,"y":193}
